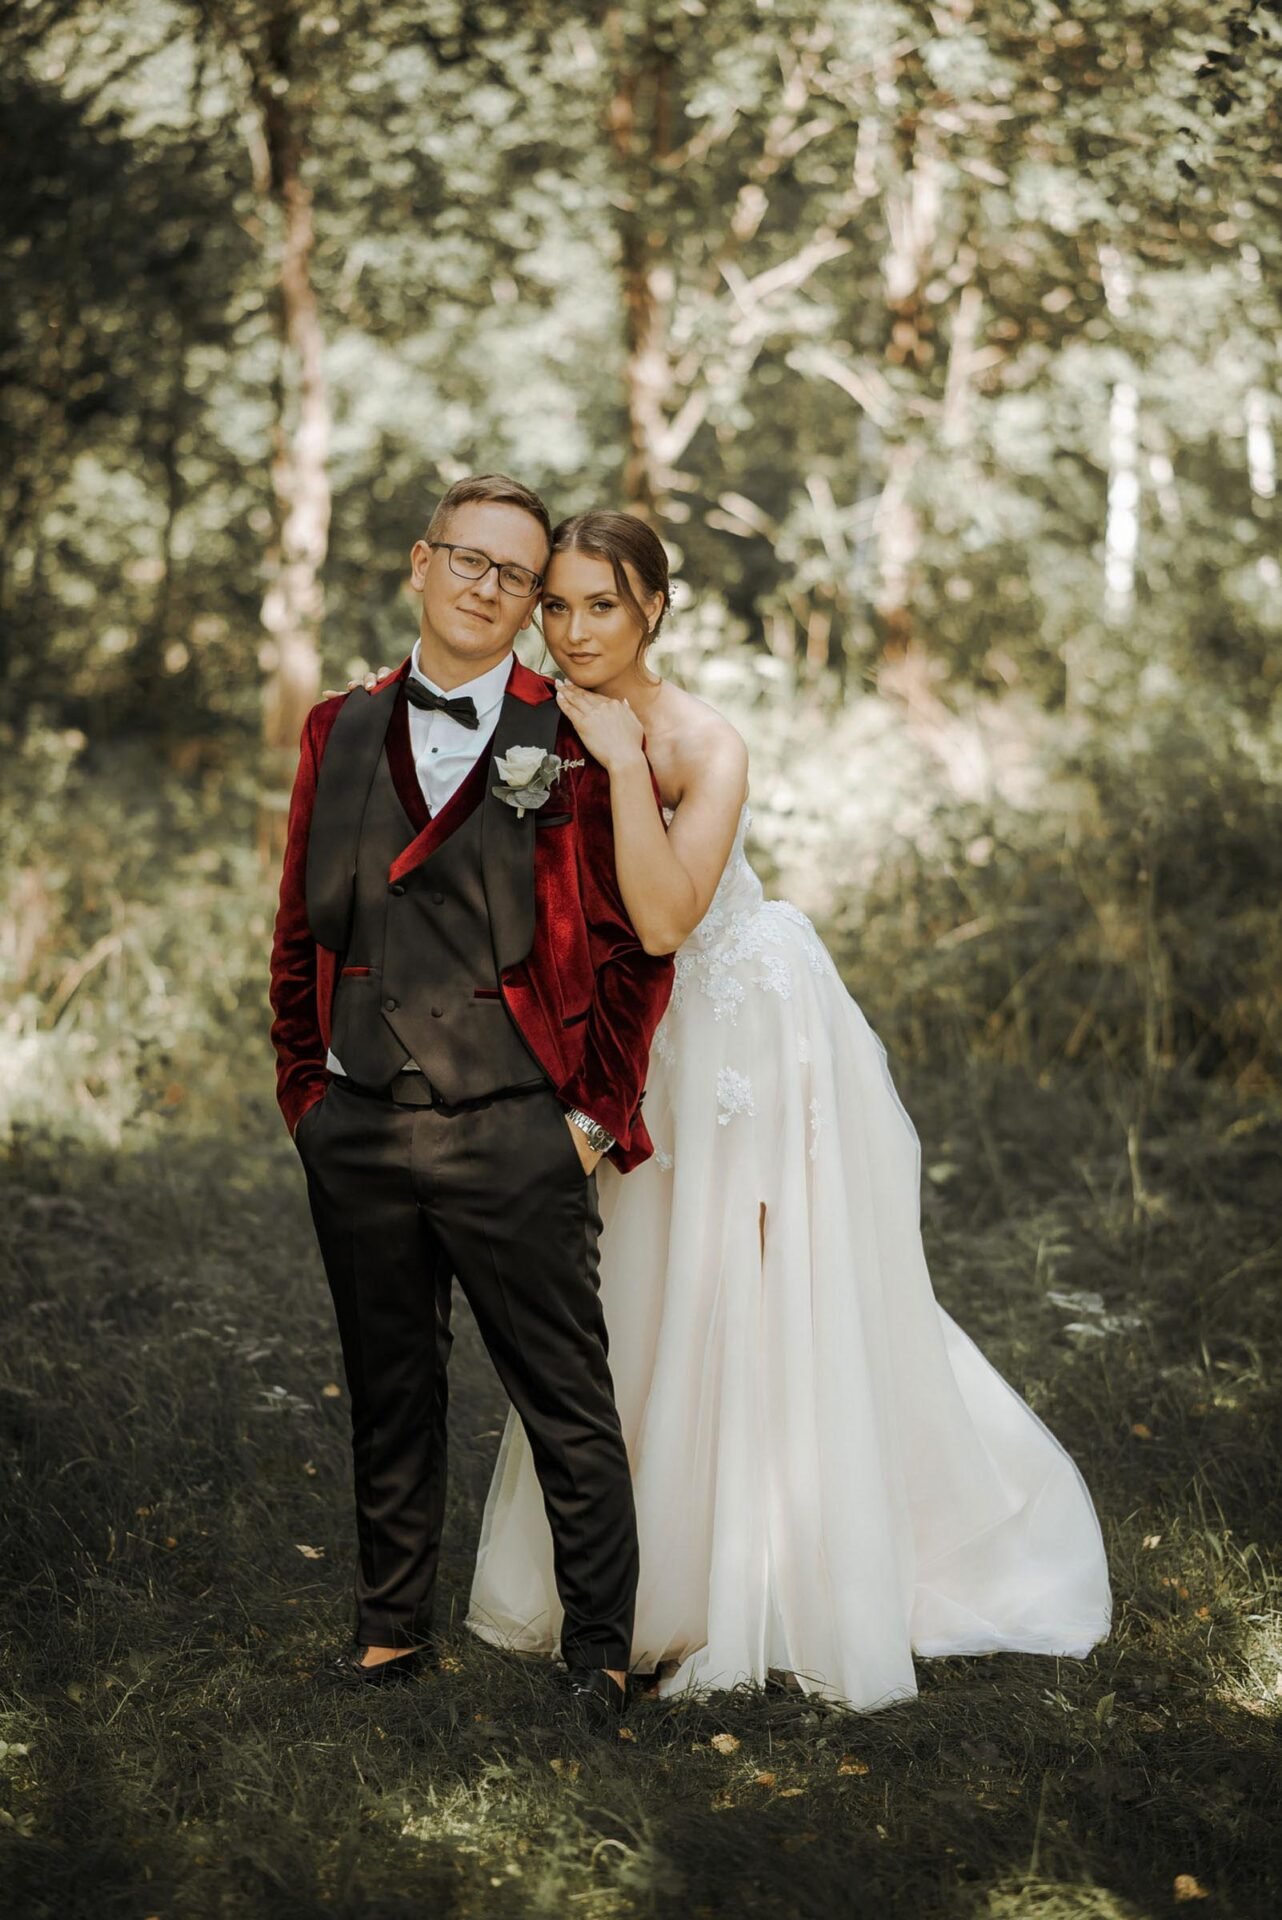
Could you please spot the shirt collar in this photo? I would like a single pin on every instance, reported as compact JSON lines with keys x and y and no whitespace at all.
{"x":485,"y":692}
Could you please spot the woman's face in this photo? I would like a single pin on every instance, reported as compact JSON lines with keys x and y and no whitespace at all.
{"x":591,"y":632}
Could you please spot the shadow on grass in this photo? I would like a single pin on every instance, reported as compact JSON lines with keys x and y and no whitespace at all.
{"x":172,"y":1446}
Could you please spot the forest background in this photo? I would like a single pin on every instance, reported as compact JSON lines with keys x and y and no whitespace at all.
{"x":941,"y":343}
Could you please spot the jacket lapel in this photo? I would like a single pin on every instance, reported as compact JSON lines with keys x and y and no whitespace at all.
{"x":463,"y":801}
{"x":346,"y":773}
{"x":507,"y":843}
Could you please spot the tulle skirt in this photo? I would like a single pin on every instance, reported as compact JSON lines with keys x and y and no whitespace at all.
{"x":829,"y":1475}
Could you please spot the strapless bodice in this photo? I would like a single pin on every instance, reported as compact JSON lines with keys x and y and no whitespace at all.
{"x":738,"y":890}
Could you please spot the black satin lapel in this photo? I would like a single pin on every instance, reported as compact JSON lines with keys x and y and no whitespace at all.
{"x":347,"y":770}
{"x":507,"y":843}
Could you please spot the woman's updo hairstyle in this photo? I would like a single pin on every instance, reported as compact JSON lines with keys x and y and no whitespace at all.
{"x":621,"y":538}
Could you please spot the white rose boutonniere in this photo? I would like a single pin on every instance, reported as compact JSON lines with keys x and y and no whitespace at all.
{"x":528,"y":776}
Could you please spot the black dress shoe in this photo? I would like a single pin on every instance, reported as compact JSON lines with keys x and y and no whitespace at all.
{"x":345,"y":1669}
{"x":595,"y":1698}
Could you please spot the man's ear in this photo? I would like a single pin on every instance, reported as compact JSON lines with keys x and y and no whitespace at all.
{"x":420,"y":557}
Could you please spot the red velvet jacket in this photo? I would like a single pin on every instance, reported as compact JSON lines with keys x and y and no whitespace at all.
{"x":586,"y":958}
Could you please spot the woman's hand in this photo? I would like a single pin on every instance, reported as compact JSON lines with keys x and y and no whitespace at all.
{"x":370,"y":682}
{"x":608,"y":728}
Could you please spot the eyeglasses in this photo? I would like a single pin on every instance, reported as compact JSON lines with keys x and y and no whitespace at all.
{"x":469,"y":563}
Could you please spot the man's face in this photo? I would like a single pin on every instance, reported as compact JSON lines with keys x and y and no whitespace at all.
{"x":472,"y":623}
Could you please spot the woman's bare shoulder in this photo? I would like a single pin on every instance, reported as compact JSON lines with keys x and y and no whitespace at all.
{"x":699,"y":735}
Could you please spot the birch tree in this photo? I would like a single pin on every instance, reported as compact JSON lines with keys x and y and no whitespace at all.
{"x":264,"y":42}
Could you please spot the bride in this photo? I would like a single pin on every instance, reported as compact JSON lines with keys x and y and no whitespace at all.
{"x":830,"y":1477}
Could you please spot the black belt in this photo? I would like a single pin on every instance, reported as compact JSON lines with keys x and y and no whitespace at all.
{"x":410,"y":1089}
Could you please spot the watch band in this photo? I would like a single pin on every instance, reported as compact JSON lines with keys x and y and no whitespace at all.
{"x":599,"y":1138}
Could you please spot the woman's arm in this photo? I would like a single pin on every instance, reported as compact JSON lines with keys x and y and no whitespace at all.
{"x":667,"y":879}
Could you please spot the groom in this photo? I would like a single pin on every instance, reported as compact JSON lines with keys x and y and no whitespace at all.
{"x":463,"y":1016}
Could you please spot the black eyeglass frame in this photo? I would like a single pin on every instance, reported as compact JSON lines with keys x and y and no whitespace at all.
{"x":461,"y":546}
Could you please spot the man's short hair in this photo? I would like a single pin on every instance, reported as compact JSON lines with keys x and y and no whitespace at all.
{"x":487,"y":486}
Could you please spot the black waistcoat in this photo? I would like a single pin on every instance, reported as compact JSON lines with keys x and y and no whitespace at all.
{"x":427,"y":949}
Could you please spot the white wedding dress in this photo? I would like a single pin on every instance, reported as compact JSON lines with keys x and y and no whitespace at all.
{"x":829,"y":1475}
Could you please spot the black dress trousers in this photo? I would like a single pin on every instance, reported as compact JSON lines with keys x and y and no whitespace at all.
{"x":402,"y":1198}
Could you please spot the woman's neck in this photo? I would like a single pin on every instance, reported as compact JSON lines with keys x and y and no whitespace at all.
{"x":641,"y":691}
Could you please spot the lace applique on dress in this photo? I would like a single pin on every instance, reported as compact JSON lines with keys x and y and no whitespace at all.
{"x":739,"y":928}
{"x":775,"y":975}
{"x":722,"y":943}
{"x":734,"y":1095}
{"x":816,"y":954}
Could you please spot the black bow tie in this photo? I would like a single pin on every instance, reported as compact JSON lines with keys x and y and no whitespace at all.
{"x":463,"y":710}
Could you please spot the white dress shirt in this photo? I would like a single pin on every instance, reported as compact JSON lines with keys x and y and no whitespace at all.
{"x":445,"y":751}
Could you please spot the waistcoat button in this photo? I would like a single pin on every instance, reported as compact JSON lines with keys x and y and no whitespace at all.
{"x":437,"y":1012}
{"x":389,"y":1006}
{"x":396,"y":887}
{"x":438,"y":899}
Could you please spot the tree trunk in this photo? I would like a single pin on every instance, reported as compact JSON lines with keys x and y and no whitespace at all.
{"x":898,"y":533}
{"x":1122,"y":532}
{"x":293,"y":604}
{"x":912,"y":205}
{"x":645,"y":95}
{"x":1122,"y":523}
{"x":156,"y":635}
{"x":1261,"y":455}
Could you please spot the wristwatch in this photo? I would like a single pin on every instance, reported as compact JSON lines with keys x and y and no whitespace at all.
{"x":597,"y":1136}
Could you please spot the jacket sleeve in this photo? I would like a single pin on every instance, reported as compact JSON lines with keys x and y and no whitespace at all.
{"x":301,"y":1076}
{"x":631,"y":986}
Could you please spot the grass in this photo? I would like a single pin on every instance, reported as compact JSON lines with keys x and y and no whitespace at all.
{"x":170,"y":1443}
{"x":1084,"y":1021}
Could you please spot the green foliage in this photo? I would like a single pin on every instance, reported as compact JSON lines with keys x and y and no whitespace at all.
{"x":897,"y":261}
{"x":137,"y":923}
{"x":1139,"y":927}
